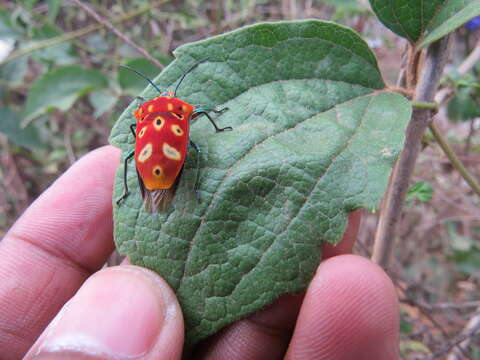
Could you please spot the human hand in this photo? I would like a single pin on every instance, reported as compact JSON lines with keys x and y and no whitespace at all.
{"x":49,"y":276}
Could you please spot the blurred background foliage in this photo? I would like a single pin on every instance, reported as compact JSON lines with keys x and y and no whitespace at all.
{"x":61,"y":90}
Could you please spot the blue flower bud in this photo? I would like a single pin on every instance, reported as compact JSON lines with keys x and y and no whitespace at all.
{"x":473,"y":23}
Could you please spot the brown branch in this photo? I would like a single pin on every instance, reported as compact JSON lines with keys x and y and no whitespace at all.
{"x":470,"y":61}
{"x":67,"y":141}
{"x":13,"y":177}
{"x":117,"y":32}
{"x":402,"y":75}
{"x":461,"y":343}
{"x":436,"y":57}
{"x":441,"y":306}
{"x":468,"y":143}
{"x":412,"y":68}
{"x":472,"y":329}
{"x":426,"y":311}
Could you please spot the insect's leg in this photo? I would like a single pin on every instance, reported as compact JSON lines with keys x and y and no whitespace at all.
{"x":125,"y":185}
{"x":217,"y":129}
{"x":133,"y":128}
{"x":200,"y":109}
{"x":205,"y":109}
{"x":197,"y":149}
{"x":195,"y":185}
{"x":141,"y":98}
{"x":195,"y":146}
{"x":222,"y":110}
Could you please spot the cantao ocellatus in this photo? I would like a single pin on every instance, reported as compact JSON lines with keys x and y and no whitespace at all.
{"x":162,"y":139}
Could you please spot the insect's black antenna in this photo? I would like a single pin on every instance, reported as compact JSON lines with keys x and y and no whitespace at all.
{"x":186,"y":72}
{"x":143,"y":76}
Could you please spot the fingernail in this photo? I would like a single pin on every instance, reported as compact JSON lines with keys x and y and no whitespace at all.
{"x":116,"y":314}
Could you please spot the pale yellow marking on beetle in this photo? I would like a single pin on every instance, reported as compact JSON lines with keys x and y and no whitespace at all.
{"x":145,"y":153}
{"x":157,"y":171}
{"x":178,"y":116}
{"x":170,"y":152}
{"x":177,"y":130}
{"x":169,"y":106}
{"x":184,"y":108}
{"x":142,"y":132}
{"x":158,"y":123}
{"x":150,"y":108}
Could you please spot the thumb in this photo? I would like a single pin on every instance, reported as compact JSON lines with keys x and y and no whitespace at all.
{"x":122,"y":312}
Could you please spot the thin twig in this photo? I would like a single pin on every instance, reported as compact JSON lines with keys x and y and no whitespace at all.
{"x":436,"y":57}
{"x":77,"y":33}
{"x":468,"y":143}
{"x":117,"y":32}
{"x":456,"y":162}
{"x":402,"y":75}
{"x":67,"y":141}
{"x":13,"y":177}
{"x":472,"y":330}
{"x":445,"y":94}
{"x":441,"y":306}
{"x":470,"y":61}
{"x":38,"y":45}
{"x":426,"y":311}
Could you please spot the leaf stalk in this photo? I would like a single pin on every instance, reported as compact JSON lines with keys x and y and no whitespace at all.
{"x":456,"y":162}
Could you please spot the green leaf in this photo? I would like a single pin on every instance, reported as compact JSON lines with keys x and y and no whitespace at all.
{"x":131,"y":83}
{"x":467,"y":262}
{"x":464,"y":105}
{"x":10,"y":126}
{"x":7,"y":29}
{"x":407,"y":18}
{"x":53,"y":8}
{"x":412,"y":346}
{"x":345,"y":5}
{"x":459,"y":242}
{"x":424,"y":21}
{"x":61,"y":54}
{"x":29,"y":4}
{"x":453,"y":14}
{"x":405,"y":326}
{"x":60,"y":88}
{"x":314,"y":137}
{"x":465,"y":252}
{"x":421,"y":191}
{"x":13,"y":72}
{"x":102,"y":101}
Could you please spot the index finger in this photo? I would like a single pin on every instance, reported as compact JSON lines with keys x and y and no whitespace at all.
{"x":60,"y":240}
